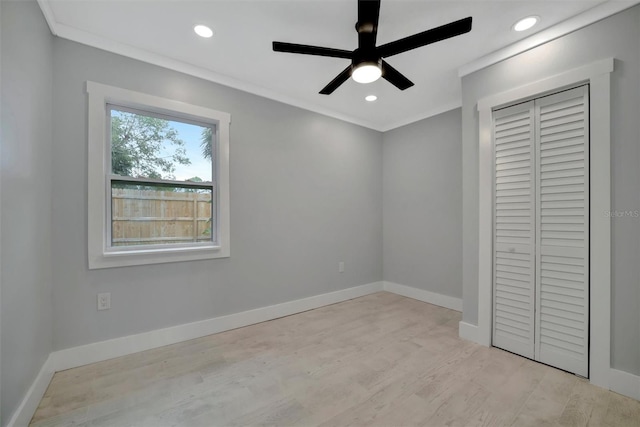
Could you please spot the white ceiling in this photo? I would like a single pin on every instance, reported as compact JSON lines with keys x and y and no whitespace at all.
{"x":240,"y":55}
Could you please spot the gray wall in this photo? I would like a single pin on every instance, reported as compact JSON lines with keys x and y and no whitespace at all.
{"x":422,"y":200}
{"x":618,"y":37}
{"x":25,"y":269}
{"x":306,"y":193}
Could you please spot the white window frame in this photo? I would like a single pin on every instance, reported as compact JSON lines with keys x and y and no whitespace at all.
{"x":101,"y":253}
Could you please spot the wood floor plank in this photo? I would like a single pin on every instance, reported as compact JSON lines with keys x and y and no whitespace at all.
{"x":379,"y":360}
{"x":622,"y":412}
{"x":546,"y":404}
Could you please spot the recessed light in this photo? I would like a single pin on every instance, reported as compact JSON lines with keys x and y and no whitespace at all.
{"x":203,"y":31}
{"x":526,"y":23}
{"x":370,"y":98}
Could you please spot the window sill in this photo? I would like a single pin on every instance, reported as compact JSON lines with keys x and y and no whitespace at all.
{"x":124,"y":258}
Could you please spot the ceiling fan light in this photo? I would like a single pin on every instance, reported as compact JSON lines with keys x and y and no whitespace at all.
{"x":366,"y":73}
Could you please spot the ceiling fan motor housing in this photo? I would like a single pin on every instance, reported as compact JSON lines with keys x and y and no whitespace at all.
{"x":365,"y":57}
{"x":367,"y":64}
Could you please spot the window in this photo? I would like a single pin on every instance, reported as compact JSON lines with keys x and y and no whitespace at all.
{"x":158,"y":179}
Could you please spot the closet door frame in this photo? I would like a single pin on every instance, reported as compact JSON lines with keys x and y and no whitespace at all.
{"x":598,"y":76}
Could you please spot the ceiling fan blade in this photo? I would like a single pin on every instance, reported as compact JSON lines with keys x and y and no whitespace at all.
{"x":394,"y":77}
{"x":311,"y":50}
{"x":335,"y":83}
{"x":427,"y":37}
{"x":367,"y":26}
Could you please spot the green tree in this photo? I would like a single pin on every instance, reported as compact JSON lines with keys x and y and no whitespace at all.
{"x":206,"y":142}
{"x":143,"y":146}
{"x":195,"y":190}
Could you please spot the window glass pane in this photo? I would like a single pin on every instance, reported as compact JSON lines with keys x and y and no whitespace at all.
{"x":149,"y":146}
{"x":159,"y":214}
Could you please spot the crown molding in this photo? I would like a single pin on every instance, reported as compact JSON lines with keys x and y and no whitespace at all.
{"x":89,"y":39}
{"x":425,"y":115}
{"x":588,"y":17}
{"x":45,"y":7}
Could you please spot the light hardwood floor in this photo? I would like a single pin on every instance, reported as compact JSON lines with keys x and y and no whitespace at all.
{"x":380,"y":360}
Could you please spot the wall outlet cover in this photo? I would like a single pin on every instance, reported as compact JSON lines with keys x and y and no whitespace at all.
{"x":104,"y":301}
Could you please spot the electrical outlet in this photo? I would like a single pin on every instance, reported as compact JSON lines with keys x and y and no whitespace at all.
{"x":341,"y":267}
{"x":104,"y":301}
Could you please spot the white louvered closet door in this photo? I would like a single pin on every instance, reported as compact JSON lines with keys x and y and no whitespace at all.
{"x":562,"y":224}
{"x":514,"y":238}
{"x":541,"y":230}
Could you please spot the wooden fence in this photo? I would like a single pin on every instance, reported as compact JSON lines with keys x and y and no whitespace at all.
{"x":143,"y":217}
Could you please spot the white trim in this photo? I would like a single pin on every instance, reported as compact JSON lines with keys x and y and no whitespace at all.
{"x":588,"y":17}
{"x":99,"y":254}
{"x":485,"y":227}
{"x":22,"y":416}
{"x":445,"y":301}
{"x":425,"y":115}
{"x":600,"y":230}
{"x":625,"y":383}
{"x":86,"y":38}
{"x":597,"y":75}
{"x":550,"y":84}
{"x":103,"y":350}
{"x":621,"y":382}
{"x":467,"y":331}
{"x":49,"y":16}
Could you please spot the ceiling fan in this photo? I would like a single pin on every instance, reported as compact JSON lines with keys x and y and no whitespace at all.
{"x":367,"y":64}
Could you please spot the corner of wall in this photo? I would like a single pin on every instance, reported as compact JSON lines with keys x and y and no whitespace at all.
{"x":28,"y":334}
{"x":23,"y":414}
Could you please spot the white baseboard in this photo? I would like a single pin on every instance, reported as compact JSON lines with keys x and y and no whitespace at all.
{"x":103,"y":350}
{"x":426,"y":296}
{"x":31,"y":400}
{"x":467,"y":331}
{"x":621,"y":382}
{"x":624,"y":383}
